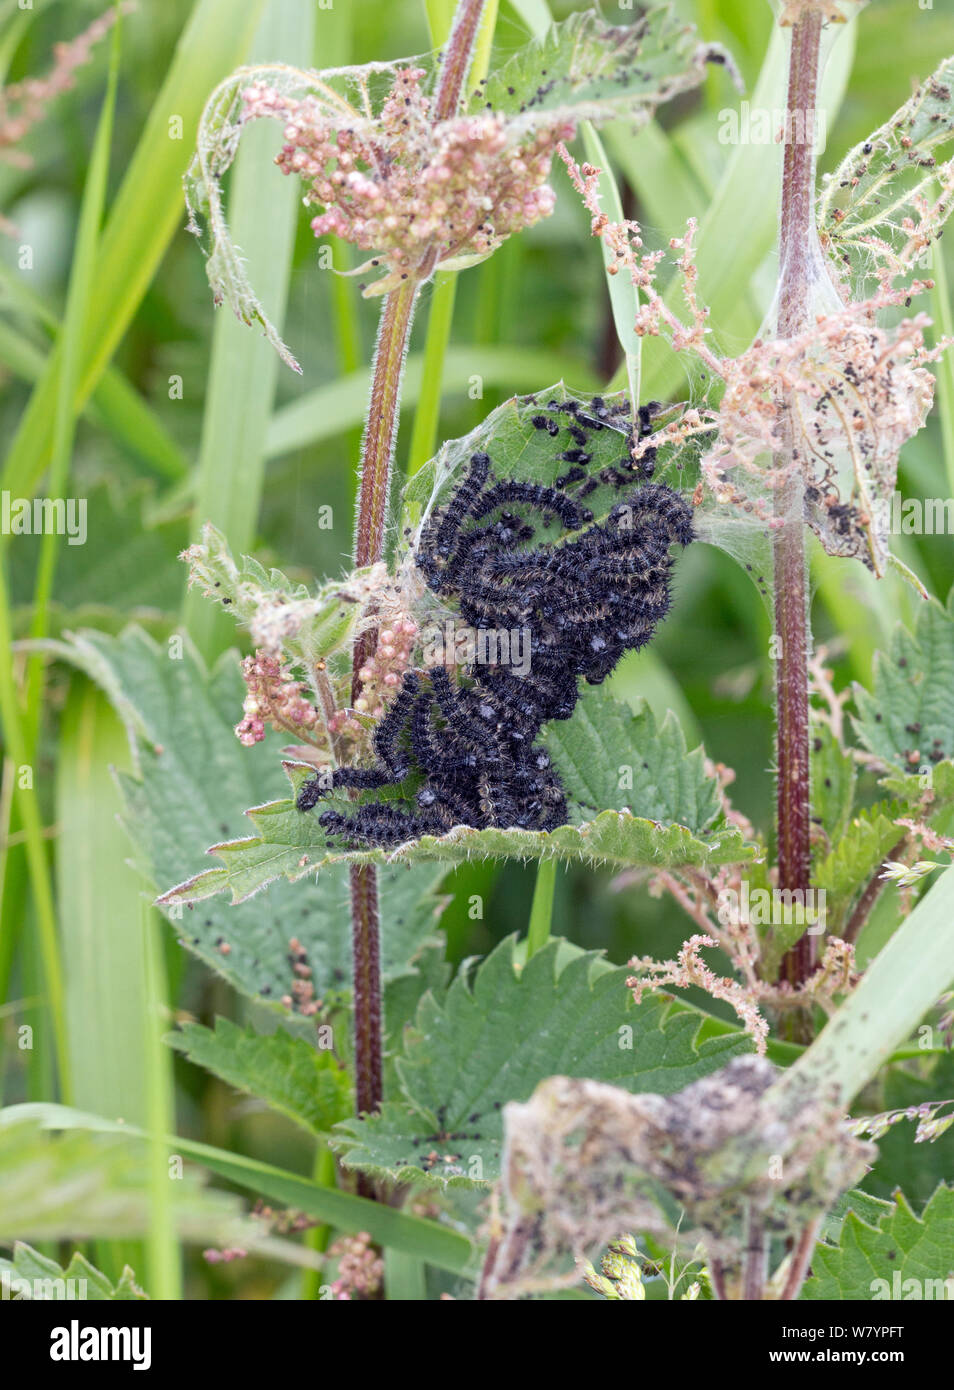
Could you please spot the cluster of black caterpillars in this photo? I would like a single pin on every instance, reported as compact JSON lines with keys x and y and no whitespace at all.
{"x":581,"y":603}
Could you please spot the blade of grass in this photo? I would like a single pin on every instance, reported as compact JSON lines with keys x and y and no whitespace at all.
{"x":69,"y":345}
{"x":318,"y":1238}
{"x":163,"y":1255}
{"x":330,"y":410}
{"x":243,"y":371}
{"x":438,"y":1245}
{"x":541,"y":909}
{"x":426,"y":417}
{"x":116,"y":406}
{"x":405,"y":1279}
{"x":15,"y":745}
{"x":624,"y":298}
{"x":147,"y":211}
{"x":99,"y":909}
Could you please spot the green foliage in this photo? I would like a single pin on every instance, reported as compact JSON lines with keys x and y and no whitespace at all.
{"x":915,"y":1168}
{"x":586,"y":69}
{"x":876,"y":1260}
{"x":492,"y":1039}
{"x":857,"y":854}
{"x":519,"y":450}
{"x":834,"y":779}
{"x":46,"y":1279}
{"x":193,"y":780}
{"x":613,"y":758}
{"x":293,"y":845}
{"x":878,"y":183}
{"x":907,"y":718}
{"x":304,"y":1083}
{"x":77,"y":1185}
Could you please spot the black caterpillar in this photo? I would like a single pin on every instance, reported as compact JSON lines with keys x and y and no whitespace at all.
{"x":581,"y":604}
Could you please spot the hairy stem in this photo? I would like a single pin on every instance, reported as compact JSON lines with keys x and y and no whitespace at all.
{"x":457,"y":59}
{"x":377,"y":453}
{"x":797,"y":250}
{"x":801,"y":1258}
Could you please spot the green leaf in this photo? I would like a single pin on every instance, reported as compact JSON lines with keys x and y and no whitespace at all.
{"x":587,"y":70}
{"x":493,"y":1039}
{"x":521,"y":451}
{"x":291,"y":844}
{"x":857,"y":854}
{"x":877,"y":184}
{"x":438,"y":1245}
{"x":192,"y":781}
{"x":929,"y":795}
{"x":45,"y":1279}
{"x":78,"y":1185}
{"x":611,"y":757}
{"x":834,"y":776}
{"x":313,"y":626}
{"x":907,"y":719}
{"x":877,"y":1260}
{"x":291,"y":1076}
{"x":130,"y":569}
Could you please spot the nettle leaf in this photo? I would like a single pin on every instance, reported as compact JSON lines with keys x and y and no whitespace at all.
{"x":496,"y":1036}
{"x":907,"y":719}
{"x":193,"y":782}
{"x":518,"y":449}
{"x":834,"y":777}
{"x":293,"y":844}
{"x":305,"y":1084}
{"x":278,"y":612}
{"x":77,"y":1185}
{"x":879,"y":1260}
{"x":610,"y":757}
{"x":44,"y":1279}
{"x":587,"y":70}
{"x":860,"y":850}
{"x":928,"y":795}
{"x":877,"y":183}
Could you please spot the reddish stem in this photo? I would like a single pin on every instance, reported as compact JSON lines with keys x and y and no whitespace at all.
{"x":377,"y":453}
{"x":801,"y":1259}
{"x":796,"y":249}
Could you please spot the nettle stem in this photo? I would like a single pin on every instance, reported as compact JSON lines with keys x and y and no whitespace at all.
{"x":797,"y":270}
{"x":377,"y":453}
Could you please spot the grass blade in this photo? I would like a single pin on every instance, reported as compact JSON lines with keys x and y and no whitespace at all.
{"x":415,"y":1235}
{"x":147,"y":212}
{"x":244,"y":369}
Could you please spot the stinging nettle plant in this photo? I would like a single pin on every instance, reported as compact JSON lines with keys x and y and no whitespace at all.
{"x":612,"y":1120}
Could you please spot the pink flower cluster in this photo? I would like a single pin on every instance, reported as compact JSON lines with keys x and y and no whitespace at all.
{"x":380,"y":676}
{"x":273,"y":697}
{"x":360,"y":1268}
{"x":414,"y":191}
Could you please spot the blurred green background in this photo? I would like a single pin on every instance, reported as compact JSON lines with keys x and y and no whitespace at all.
{"x":164,"y":432}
